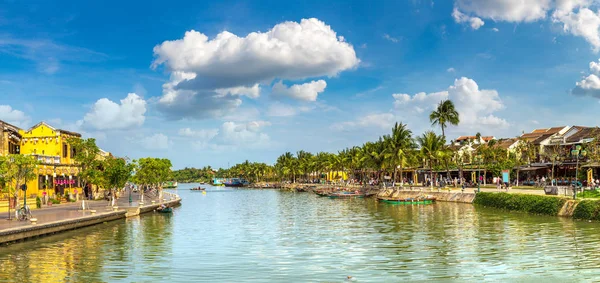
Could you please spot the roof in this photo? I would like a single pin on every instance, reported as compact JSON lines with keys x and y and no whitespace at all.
{"x":540,"y":133}
{"x":9,"y":127}
{"x":506,"y":143}
{"x":584,"y":133}
{"x":54,"y":129}
{"x":485,"y":138}
{"x":541,"y":138}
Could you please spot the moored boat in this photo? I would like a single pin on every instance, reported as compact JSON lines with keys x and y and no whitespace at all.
{"x":165,"y":210}
{"x":416,"y":200}
{"x":235,"y":182}
{"x":346,"y":195}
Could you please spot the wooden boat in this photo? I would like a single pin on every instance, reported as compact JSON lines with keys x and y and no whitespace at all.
{"x":322,"y":193}
{"x":417,"y":200}
{"x":165,"y":210}
{"x":346,"y":195}
{"x":198,"y":189}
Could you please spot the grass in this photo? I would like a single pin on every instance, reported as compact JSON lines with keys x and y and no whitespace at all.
{"x":589,"y":194}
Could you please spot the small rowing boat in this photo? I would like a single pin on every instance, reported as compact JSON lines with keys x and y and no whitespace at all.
{"x":417,"y":200}
{"x":346,"y":195}
{"x":165,"y":210}
{"x":198,"y":189}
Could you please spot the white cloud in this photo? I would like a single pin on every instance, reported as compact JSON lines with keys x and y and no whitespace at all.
{"x":450,"y":70}
{"x":475,"y":106}
{"x":379,"y":121}
{"x":237,"y":65}
{"x":590,"y":85}
{"x":575,"y":16}
{"x":505,"y":10}
{"x":306,"y":92}
{"x":202,"y":134}
{"x":390,"y":38}
{"x":242,"y":134}
{"x":495,"y":30}
{"x":14,"y":116}
{"x":584,"y":23}
{"x":156,"y":142}
{"x":474,"y":22}
{"x":108,"y":115}
{"x":252,"y":92}
{"x":230,"y":135}
{"x":278,"y":109}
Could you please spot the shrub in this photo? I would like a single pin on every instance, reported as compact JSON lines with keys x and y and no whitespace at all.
{"x":55,"y":201}
{"x":587,"y":209}
{"x":589,"y":194}
{"x":38,"y":202}
{"x":521,"y":202}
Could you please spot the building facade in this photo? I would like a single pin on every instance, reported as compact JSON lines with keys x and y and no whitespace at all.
{"x":57,"y":172}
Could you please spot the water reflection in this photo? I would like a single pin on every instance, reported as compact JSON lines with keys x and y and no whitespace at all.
{"x":258,"y":236}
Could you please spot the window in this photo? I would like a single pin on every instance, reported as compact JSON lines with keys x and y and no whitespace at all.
{"x":73,"y":152}
{"x":65,"y":150}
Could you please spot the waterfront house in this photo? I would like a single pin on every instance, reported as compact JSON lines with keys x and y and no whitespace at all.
{"x":10,"y":139}
{"x":57,"y":172}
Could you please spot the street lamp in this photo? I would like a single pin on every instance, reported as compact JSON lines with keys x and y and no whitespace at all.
{"x":577,"y":152}
{"x":478,"y":161}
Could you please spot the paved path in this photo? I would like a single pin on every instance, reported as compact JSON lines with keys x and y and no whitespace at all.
{"x":69,"y":211}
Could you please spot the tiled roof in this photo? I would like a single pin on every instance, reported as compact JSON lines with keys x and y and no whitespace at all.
{"x":506,"y":143}
{"x":584,"y":133}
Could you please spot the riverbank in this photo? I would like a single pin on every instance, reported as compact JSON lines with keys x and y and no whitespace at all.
{"x":68,"y":217}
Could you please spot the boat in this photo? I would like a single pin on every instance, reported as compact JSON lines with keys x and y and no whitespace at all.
{"x":235,"y":182}
{"x":346,"y":195}
{"x":165,"y":210}
{"x":198,"y":189}
{"x":322,"y":193}
{"x":417,"y":200}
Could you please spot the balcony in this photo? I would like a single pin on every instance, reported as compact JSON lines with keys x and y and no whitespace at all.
{"x":47,"y":159}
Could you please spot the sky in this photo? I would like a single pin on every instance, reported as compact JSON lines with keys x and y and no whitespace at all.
{"x":220,"y":82}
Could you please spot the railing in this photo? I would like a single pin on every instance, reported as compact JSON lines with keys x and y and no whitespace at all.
{"x":47,"y":159}
{"x":171,"y":196}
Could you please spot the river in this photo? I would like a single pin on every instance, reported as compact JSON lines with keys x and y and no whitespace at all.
{"x":229,"y":235}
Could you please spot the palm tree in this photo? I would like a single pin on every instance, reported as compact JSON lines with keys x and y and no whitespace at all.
{"x":398,"y":146}
{"x":432,"y":147}
{"x":444,"y":114}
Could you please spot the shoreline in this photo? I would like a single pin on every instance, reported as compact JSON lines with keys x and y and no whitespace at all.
{"x":89,"y":218}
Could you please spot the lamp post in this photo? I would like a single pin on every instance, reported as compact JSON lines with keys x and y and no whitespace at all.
{"x":577,"y":152}
{"x":478,"y":161}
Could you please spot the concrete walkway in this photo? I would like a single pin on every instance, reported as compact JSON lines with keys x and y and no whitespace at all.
{"x":70,"y":211}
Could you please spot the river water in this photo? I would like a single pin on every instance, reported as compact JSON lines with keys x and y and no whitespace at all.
{"x":231,"y":235}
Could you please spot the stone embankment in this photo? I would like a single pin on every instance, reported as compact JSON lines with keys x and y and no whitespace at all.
{"x":48,"y":223}
{"x":439,"y":196}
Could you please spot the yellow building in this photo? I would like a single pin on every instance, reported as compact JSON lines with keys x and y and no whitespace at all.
{"x":57,"y":172}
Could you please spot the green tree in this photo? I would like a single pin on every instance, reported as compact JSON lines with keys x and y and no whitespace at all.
{"x":432,"y":147}
{"x":20,"y":169}
{"x":117,"y":171}
{"x":398,"y":146}
{"x":444,"y":114}
{"x":87,"y":157}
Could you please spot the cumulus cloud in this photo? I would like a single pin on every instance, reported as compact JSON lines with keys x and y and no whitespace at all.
{"x":252,"y":92}
{"x":306,"y":92}
{"x":378,"y":120}
{"x":495,"y":30}
{"x":505,"y":10}
{"x":589,"y":85}
{"x":108,"y":115}
{"x":156,"y":142}
{"x":474,"y":22}
{"x":575,"y":16}
{"x":210,"y":74}
{"x":584,"y":23}
{"x":14,"y":116}
{"x":475,"y":106}
{"x":450,"y":70}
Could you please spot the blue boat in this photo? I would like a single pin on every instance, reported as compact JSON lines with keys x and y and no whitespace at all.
{"x":235,"y":182}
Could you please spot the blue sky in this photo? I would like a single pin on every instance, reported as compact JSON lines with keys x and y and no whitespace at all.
{"x":207,"y":83}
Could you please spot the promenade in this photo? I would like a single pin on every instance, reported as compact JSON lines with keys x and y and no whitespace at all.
{"x":70,"y":215}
